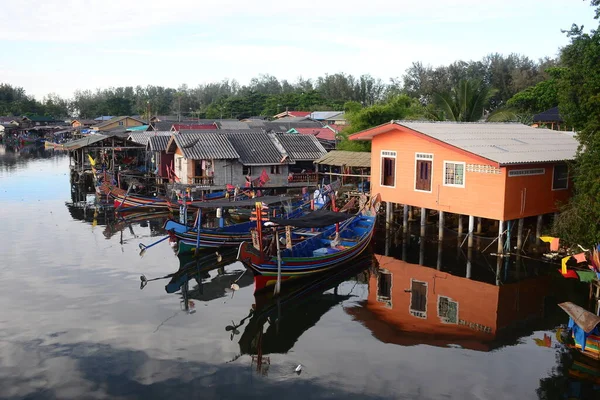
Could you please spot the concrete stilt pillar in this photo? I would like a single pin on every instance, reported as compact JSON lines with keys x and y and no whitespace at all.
{"x":479,"y":228}
{"x":410,"y":214}
{"x":469,"y":265}
{"x":405,"y":219}
{"x":520,"y":234}
{"x":388,"y":215}
{"x":498,"y":270}
{"x":500,"y":237}
{"x":441,"y":226}
{"x":538,"y":228}
{"x":460,"y":225}
{"x":471,"y":227}
{"x":422,"y":251}
{"x":439,"y":256}
{"x":423,"y":221}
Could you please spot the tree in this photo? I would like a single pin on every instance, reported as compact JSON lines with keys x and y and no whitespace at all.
{"x":578,"y":87}
{"x":536,"y":99}
{"x":465,"y":102}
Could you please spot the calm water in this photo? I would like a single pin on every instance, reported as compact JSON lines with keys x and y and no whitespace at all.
{"x":75,"y":324}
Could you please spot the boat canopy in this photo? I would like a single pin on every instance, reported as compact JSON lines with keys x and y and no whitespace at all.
{"x":240,"y":203}
{"x":580,"y":316}
{"x":315,"y":219}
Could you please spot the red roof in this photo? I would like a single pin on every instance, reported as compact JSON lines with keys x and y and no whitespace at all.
{"x":183,"y":127}
{"x":320,"y":133}
{"x":298,"y":113}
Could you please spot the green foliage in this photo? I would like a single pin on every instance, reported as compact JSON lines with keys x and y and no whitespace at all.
{"x":536,"y":99}
{"x":399,"y":107}
{"x":465,"y":102}
{"x":578,"y":85}
{"x":510,"y":114}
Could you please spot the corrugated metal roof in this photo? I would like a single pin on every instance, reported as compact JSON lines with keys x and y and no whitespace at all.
{"x":550,"y":115}
{"x":232,"y":124}
{"x":162,"y":125}
{"x":142,"y":137}
{"x":83,"y":142}
{"x":504,"y":143}
{"x":323,"y":115}
{"x":205,"y":146}
{"x":348,"y":158}
{"x":255,"y":148}
{"x":158,"y":143}
{"x":301,"y":147}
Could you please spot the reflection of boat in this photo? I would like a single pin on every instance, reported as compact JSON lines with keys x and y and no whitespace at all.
{"x":327,"y":248}
{"x":585,"y":330}
{"x":409,"y":304}
{"x":299,"y":306}
{"x":125,"y":219}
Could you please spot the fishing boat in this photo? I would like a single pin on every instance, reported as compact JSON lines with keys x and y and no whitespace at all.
{"x":332,"y":243}
{"x":585,"y":330}
{"x":188,"y":239}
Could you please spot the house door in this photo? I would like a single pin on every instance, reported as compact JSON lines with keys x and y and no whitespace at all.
{"x":423,"y":175}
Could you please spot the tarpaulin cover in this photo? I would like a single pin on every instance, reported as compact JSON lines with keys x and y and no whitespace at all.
{"x":316,"y":219}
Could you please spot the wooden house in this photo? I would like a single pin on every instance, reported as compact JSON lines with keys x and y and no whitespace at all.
{"x":117,"y":123}
{"x":39,"y":120}
{"x":83,"y":123}
{"x":410,"y":304}
{"x":211,"y":158}
{"x":499,"y":171}
{"x":350,"y":166}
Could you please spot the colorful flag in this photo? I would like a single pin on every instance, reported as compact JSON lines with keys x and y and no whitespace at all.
{"x":554,"y":242}
{"x":580,"y":257}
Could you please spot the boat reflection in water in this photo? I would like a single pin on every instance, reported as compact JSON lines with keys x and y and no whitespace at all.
{"x":299,"y":306}
{"x":410,"y":304}
{"x":207,"y":288}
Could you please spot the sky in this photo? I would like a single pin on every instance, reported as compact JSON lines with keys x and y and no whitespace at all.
{"x":59,"y":46}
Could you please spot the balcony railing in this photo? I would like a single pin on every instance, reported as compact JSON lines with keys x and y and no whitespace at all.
{"x":200,"y":180}
{"x":303,"y":177}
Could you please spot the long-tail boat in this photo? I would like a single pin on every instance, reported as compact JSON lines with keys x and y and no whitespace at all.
{"x":585,"y":330}
{"x":187,"y":238}
{"x":334,"y":244}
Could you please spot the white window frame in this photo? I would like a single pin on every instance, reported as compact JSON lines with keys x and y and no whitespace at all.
{"x":412,"y":311}
{"x":464,"y":173}
{"x":443,"y":319}
{"x":553,"y":170}
{"x":388,"y":154}
{"x":426,"y":157}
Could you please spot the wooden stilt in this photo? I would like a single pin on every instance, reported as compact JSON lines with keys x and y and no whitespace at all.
{"x":538,"y":228}
{"x":410,"y":213}
{"x":520,"y":234}
{"x":471,"y":226}
{"x":422,"y":251}
{"x":479,"y":229}
{"x":423,"y":221}
{"x":460,"y":225}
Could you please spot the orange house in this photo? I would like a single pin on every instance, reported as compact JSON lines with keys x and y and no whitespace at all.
{"x":409,"y":304}
{"x":500,"y":171}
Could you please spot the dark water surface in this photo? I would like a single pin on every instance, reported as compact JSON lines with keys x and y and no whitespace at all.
{"x":74,"y":323}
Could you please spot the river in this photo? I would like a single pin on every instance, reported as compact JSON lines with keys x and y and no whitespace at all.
{"x":74,"y":323}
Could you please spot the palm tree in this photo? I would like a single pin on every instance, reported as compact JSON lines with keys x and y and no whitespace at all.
{"x":464,"y":103}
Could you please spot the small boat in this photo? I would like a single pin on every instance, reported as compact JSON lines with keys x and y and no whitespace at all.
{"x":585,"y":330}
{"x":324,"y":250}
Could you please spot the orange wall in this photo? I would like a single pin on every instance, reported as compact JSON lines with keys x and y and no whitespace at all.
{"x":539,"y":197}
{"x":482,"y":196}
{"x":477,"y":301}
{"x":493,"y":196}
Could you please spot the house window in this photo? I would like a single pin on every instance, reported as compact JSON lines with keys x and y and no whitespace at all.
{"x":388,"y":168}
{"x":120,"y":123}
{"x":384,"y":286}
{"x":454,"y":173}
{"x":526,"y":172}
{"x":275,"y":170}
{"x":418,"y":299}
{"x":560,"y":177}
{"x":246,"y":170}
{"x":179,"y":160}
{"x":423,"y":172}
{"x":447,"y":310}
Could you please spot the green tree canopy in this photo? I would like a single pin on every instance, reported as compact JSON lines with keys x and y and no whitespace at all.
{"x":464,"y":102}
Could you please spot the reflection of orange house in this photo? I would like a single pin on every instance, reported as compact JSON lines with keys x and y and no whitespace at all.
{"x":409,"y":304}
{"x":501,"y":171}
